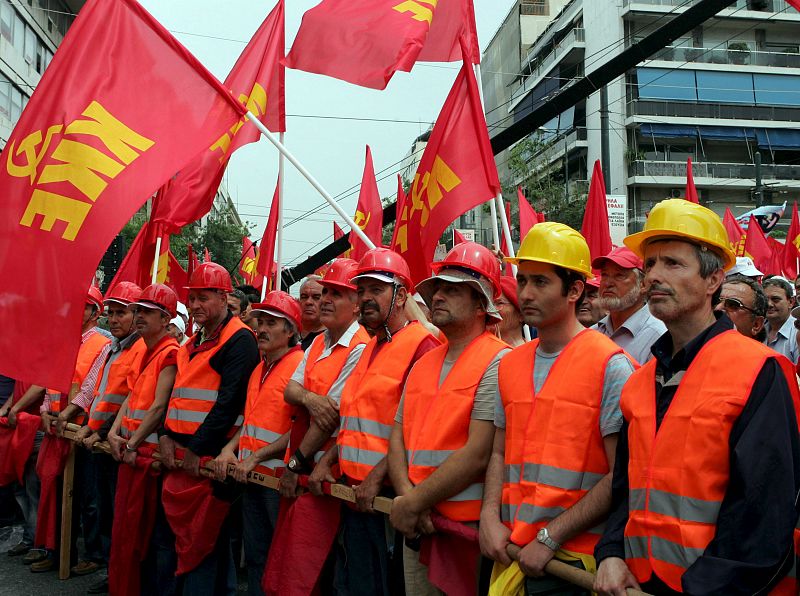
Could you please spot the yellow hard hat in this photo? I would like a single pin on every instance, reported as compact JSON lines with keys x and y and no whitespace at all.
{"x":557,"y":244}
{"x":678,"y":218}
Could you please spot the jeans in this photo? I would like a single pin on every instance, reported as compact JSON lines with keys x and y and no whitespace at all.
{"x":105,"y":487}
{"x":87,"y":500}
{"x":27,"y":495}
{"x":362,"y":555}
{"x":216,"y":575}
{"x":260,"y":516}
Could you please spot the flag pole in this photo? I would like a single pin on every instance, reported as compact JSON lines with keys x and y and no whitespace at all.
{"x":493,"y":203}
{"x":155,"y":261}
{"x":307,"y":175}
{"x":279,"y":235}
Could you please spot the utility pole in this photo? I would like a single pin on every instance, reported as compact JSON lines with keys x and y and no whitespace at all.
{"x":758,"y":192}
{"x":605,"y":152}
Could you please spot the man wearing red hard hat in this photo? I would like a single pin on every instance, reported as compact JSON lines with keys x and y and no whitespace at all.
{"x":204,"y":412}
{"x":442,"y":435}
{"x":261,"y":441}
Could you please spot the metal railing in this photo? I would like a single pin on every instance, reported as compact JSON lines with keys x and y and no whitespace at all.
{"x":716,"y":170}
{"x":727,"y":56}
{"x":704,"y":109}
{"x":771,"y":5}
{"x":575,"y":36}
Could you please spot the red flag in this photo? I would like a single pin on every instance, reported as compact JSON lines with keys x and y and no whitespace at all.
{"x":399,"y":208}
{"x":193,"y":262}
{"x":247,"y":264}
{"x":527,"y":215}
{"x":791,"y":250}
{"x":265,"y":265}
{"x":691,"y":191}
{"x":89,"y":149}
{"x":257,"y":79}
{"x":137,"y":266}
{"x":595,"y":218}
{"x":206,"y":256}
{"x":457,"y":172}
{"x":506,"y":243}
{"x":776,"y":262}
{"x":458,"y":237}
{"x":176,"y":278}
{"x":363,"y":42}
{"x":735,"y":232}
{"x":795,"y":4}
{"x":369,"y":212}
{"x":339,"y":233}
{"x":452,"y":19}
{"x":759,"y":249}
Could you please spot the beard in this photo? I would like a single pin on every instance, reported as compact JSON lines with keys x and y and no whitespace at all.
{"x":622,"y":303}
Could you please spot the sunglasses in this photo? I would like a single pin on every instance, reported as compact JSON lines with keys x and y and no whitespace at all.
{"x":735,"y":304}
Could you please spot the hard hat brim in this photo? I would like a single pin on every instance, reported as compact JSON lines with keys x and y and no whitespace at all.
{"x":517,"y":260}
{"x":425,"y":290}
{"x":637,"y":242}
{"x":116,"y":301}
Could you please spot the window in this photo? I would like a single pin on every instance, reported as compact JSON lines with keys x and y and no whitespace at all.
{"x":16,"y":104}
{"x":5,"y":96}
{"x":19,"y":34}
{"x":777,"y":90}
{"x":662,"y":83}
{"x":7,"y":22}
{"x":30,"y":46}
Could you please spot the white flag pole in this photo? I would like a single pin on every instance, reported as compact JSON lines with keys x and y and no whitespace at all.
{"x":492,"y":203}
{"x":263,"y":288}
{"x":155,"y":260}
{"x":307,"y":175}
{"x":279,"y":236}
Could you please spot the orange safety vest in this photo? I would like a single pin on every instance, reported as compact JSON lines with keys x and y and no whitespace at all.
{"x":197,"y":384}
{"x":106,"y":405}
{"x":87,"y":354}
{"x":554,"y":450}
{"x":320,"y":375}
{"x":267,"y":416}
{"x":144,"y":379}
{"x":436,"y":418}
{"x":678,"y":475}
{"x":370,"y":398}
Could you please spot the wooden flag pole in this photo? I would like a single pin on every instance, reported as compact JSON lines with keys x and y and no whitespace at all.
{"x":313,"y":181}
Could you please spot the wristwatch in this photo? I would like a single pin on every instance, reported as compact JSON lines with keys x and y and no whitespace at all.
{"x":130,"y":449}
{"x":544,"y":537}
{"x":294,"y":466}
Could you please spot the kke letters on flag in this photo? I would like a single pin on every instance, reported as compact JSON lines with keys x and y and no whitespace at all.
{"x":257,"y":80}
{"x":369,"y":212}
{"x":456,"y":173}
{"x":121,"y":108}
{"x":362,"y":42}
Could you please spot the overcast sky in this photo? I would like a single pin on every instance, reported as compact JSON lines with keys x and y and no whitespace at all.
{"x":332,"y":148}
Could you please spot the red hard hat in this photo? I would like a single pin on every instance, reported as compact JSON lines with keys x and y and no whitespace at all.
{"x":123,"y":293}
{"x":508,"y":285}
{"x":340,"y":274}
{"x":386,"y":265}
{"x":161,"y":297}
{"x":94,"y":297}
{"x":475,"y":257}
{"x":210,"y":276}
{"x":280,"y":304}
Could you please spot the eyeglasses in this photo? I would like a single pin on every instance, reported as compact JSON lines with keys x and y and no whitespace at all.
{"x":735,"y":304}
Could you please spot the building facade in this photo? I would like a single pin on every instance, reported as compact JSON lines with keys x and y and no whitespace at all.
{"x":727,"y":95}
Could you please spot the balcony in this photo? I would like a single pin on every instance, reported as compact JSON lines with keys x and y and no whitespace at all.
{"x":677,"y":109}
{"x":684,"y":54}
{"x":774,"y":6}
{"x":735,"y":175}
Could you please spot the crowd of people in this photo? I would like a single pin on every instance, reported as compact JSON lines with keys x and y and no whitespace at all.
{"x":632,"y":416}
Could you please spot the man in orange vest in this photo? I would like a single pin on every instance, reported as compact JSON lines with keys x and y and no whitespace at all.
{"x":204,"y":411}
{"x":549,"y":480}
{"x":261,"y":441}
{"x":366,"y":415}
{"x":705,"y":491}
{"x":442,"y":436}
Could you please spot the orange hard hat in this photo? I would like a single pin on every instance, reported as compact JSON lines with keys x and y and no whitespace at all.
{"x":123,"y":293}
{"x":160,"y":297}
{"x":385,"y":265}
{"x":280,"y":304}
{"x":94,"y":297}
{"x":474,"y":257}
{"x":340,"y":274}
{"x":210,"y":276}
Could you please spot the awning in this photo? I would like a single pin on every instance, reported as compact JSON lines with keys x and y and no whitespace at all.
{"x":668,"y":130}
{"x":778,"y":138}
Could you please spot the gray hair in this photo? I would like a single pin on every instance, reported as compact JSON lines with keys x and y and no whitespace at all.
{"x":759,"y":298}
{"x":244,"y":302}
{"x":710,"y":261}
{"x":289,"y":327}
{"x":309,"y":278}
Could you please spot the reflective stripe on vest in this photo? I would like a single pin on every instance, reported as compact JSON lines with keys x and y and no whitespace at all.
{"x":554,"y":451}
{"x":678,"y":479}
{"x":112,"y":387}
{"x":436,"y":418}
{"x":197,"y":384}
{"x":370,"y":397}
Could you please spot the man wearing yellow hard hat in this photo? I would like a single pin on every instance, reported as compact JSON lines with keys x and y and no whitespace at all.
{"x":557,"y":418}
{"x":708,"y":462}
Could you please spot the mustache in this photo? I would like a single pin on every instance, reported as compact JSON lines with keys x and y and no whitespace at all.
{"x":660,"y":289}
{"x":263,"y":337}
{"x":369,"y":304}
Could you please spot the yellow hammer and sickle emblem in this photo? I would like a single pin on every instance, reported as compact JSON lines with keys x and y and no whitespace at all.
{"x":362,"y":220}
{"x":33,"y":157}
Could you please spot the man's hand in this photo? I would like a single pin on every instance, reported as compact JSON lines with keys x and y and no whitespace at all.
{"x":321,"y":473}
{"x":47,"y":422}
{"x":367,"y":491}
{"x":4,"y":409}
{"x":533,"y":558}
{"x":191,"y":463}
{"x":90,"y":441}
{"x":61,"y":424}
{"x":244,"y":467}
{"x":166,"y":447}
{"x":12,"y":418}
{"x":220,"y":464}
{"x":116,"y":443}
{"x":323,"y":410}
{"x":614,"y":578}
{"x":425,"y":524}
{"x":494,"y":536}
{"x":82,"y":434}
{"x":287,"y":485}
{"x":129,"y":457}
{"x":405,"y":516}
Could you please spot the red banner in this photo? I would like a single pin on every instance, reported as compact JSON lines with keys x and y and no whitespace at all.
{"x":369,"y":212}
{"x":137,"y":266}
{"x":265,"y":264}
{"x":452,"y":19}
{"x":257,"y":80}
{"x":595,"y":219}
{"x":691,"y":191}
{"x":399,"y":209}
{"x":247,"y":264}
{"x":457,"y":172}
{"x":735,"y":232}
{"x":527,"y":215}
{"x":89,"y":149}
{"x":791,"y":250}
{"x":758,"y":248}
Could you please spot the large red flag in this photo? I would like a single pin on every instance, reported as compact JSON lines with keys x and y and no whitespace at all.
{"x":527,"y":215}
{"x":369,"y":212}
{"x":691,"y":191}
{"x":595,"y":218}
{"x":457,"y":172}
{"x":363,"y":42}
{"x":735,"y":232}
{"x":137,"y":266}
{"x":247,"y":264}
{"x":791,"y":250}
{"x":257,"y":79}
{"x":338,"y":232}
{"x":265,"y":265}
{"x":89,"y":149}
{"x":451,"y":20}
{"x":399,"y":208}
{"x":758,"y":248}
{"x":177,"y":278}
